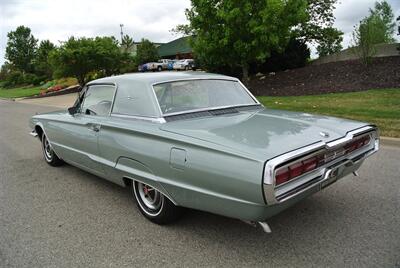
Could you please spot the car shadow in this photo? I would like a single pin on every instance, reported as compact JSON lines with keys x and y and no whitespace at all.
{"x":306,"y":217}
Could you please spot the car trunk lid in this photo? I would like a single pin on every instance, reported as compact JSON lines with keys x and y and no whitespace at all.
{"x":263,"y":132}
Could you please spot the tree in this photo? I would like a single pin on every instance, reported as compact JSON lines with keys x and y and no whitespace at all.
{"x":239,"y":32}
{"x":377,"y":28}
{"x":146,"y":52}
{"x":42,"y":64}
{"x":318,"y":28}
{"x":331,"y":43}
{"x":108,"y":55}
{"x":21,"y":48}
{"x":384,"y":12}
{"x":83,"y":56}
{"x":127,"y":43}
{"x":365,"y":37}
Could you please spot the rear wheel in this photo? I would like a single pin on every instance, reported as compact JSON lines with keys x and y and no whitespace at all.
{"x":159,"y":68}
{"x":49,"y":155}
{"x":154,"y":205}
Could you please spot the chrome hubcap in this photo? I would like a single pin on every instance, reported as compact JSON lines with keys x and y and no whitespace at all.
{"x":151,"y":198}
{"x":47,"y":148}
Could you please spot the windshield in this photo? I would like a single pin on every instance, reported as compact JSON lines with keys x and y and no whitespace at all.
{"x":185,"y":96}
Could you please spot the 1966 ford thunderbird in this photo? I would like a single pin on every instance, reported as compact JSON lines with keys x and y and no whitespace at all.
{"x":201,"y":141}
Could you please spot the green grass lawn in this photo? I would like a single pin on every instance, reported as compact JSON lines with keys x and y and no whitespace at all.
{"x":380,"y":107}
{"x":19,"y":92}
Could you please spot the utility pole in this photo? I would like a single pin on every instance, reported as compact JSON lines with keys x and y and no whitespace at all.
{"x":122,"y":33}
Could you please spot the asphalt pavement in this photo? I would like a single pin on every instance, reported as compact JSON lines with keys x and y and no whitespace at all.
{"x":65,"y":217}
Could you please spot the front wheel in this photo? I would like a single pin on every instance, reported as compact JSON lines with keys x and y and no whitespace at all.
{"x":154,"y":205}
{"x":49,"y":155}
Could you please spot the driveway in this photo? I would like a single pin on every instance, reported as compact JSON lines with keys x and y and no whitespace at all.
{"x":65,"y":217}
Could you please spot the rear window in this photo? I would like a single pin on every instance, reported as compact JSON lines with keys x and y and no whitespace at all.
{"x":186,"y":96}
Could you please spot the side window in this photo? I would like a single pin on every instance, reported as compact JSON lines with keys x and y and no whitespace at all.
{"x":98,"y":100}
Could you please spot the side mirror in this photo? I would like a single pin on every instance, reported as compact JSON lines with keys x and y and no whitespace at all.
{"x":72,"y":110}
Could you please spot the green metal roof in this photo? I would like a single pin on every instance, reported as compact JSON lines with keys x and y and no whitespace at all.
{"x":177,"y":46}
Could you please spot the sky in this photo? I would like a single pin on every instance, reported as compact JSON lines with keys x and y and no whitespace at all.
{"x":57,"y":20}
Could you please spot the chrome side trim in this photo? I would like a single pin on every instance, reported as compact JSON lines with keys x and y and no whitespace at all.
{"x":211,"y":109}
{"x":271,"y":165}
{"x":143,"y":118}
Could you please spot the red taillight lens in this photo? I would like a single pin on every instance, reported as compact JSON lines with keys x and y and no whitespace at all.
{"x":282,"y":175}
{"x":357,"y":144}
{"x":310,"y":164}
{"x":296,"y":170}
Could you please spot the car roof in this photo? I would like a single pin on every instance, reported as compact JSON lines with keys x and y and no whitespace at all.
{"x":160,"y":77}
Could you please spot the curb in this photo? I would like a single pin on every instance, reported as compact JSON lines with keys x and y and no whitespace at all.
{"x":388,"y":141}
{"x":7,"y":99}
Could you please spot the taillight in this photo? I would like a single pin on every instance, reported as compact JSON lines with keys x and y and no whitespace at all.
{"x":354,"y":145}
{"x":310,"y":164}
{"x":285,"y":174}
{"x":299,"y":168}
{"x":296,"y":169}
{"x":282,"y":175}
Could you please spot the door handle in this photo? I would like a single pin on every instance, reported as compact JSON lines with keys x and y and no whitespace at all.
{"x":94,"y":127}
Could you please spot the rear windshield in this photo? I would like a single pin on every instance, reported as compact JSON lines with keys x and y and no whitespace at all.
{"x":186,"y":96}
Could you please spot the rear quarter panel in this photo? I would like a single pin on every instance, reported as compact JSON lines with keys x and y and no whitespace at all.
{"x":211,"y":178}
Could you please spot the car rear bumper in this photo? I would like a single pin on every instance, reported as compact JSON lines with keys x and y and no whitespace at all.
{"x":322,"y":177}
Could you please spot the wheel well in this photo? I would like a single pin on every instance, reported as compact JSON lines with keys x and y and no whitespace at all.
{"x":127,"y":182}
{"x":39,"y":131}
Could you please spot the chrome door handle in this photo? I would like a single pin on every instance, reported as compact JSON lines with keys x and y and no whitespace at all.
{"x":94,"y":127}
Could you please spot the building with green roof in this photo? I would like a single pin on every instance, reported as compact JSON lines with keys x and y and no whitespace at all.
{"x":176,"y":49}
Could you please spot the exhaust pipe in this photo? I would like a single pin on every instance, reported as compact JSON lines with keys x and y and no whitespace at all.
{"x":263,"y":225}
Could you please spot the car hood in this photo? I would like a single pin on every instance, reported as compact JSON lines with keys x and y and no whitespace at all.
{"x":264,"y":133}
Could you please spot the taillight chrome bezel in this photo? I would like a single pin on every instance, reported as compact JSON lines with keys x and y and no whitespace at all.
{"x":287,"y":159}
{"x":323,"y":157}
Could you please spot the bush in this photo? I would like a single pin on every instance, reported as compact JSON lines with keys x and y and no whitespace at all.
{"x":31,"y":79}
{"x":66,"y":82}
{"x":17,"y":78}
{"x":13,"y":79}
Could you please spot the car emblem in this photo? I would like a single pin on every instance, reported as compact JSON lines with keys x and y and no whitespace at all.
{"x":324,"y":134}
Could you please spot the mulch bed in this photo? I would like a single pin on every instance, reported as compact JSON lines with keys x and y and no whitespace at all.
{"x":332,"y":77}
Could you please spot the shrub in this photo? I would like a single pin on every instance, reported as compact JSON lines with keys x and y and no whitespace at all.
{"x":31,"y":79}
{"x":13,"y":79}
{"x":66,"y":81}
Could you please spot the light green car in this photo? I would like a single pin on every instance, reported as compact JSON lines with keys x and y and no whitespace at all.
{"x":201,"y":141}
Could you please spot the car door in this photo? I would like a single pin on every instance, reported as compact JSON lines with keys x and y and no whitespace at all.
{"x":81,"y":135}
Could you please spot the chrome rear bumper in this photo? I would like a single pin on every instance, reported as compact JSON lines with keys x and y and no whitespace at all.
{"x":322,"y":177}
